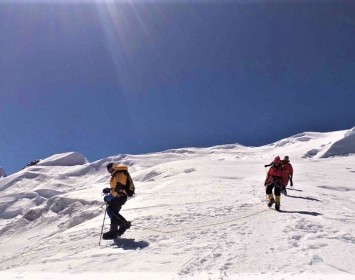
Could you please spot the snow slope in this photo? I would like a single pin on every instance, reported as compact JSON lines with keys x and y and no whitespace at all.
{"x":199,"y":213}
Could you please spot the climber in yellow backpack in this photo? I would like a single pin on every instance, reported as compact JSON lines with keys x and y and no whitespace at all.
{"x":121,"y":186}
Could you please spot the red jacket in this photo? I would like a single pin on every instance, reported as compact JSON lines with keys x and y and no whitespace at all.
{"x":287,"y":171}
{"x":274,"y":175}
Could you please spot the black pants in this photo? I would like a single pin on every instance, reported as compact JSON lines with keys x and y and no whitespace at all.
{"x":114,"y":208}
{"x":277,"y":190}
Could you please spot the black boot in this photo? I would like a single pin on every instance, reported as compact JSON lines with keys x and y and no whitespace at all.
{"x":277,"y":206}
{"x":112,"y":233}
{"x":123,"y":228}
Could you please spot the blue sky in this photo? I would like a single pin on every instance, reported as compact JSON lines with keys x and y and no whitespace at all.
{"x":133,"y":77}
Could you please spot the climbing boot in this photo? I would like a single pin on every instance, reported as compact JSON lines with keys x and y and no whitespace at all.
{"x":123,"y":228}
{"x":112,"y":233}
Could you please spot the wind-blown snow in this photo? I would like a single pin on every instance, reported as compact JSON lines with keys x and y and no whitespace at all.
{"x":65,"y":159}
{"x":199,"y":213}
{"x":344,"y":146}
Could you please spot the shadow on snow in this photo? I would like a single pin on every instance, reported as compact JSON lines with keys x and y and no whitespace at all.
{"x":302,"y":212}
{"x":130,"y":244}
{"x":306,"y":198}
{"x":293,"y":189}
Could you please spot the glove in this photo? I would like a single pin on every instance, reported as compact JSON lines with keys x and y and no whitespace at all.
{"x":108,"y":198}
{"x":106,"y":190}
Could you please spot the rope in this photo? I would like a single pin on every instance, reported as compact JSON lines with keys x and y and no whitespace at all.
{"x":197,"y":227}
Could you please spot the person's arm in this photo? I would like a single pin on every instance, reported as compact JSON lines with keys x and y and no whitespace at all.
{"x":291,"y":182}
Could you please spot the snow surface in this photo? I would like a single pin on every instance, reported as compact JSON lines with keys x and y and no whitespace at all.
{"x":199,"y":213}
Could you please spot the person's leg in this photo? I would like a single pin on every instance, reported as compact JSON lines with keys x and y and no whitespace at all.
{"x":277,"y":197}
{"x":117,"y":220}
{"x":269,"y":194}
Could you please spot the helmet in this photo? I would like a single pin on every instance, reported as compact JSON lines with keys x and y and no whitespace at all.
{"x":286,"y":158}
{"x":109,"y":166}
{"x":277,"y":160}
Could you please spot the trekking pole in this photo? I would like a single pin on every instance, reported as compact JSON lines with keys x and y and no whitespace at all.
{"x":103,"y":223}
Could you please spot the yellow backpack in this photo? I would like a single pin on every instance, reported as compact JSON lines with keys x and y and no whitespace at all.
{"x":129,"y":187}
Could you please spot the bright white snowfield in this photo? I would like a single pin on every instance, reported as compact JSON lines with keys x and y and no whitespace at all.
{"x":198,"y":213}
